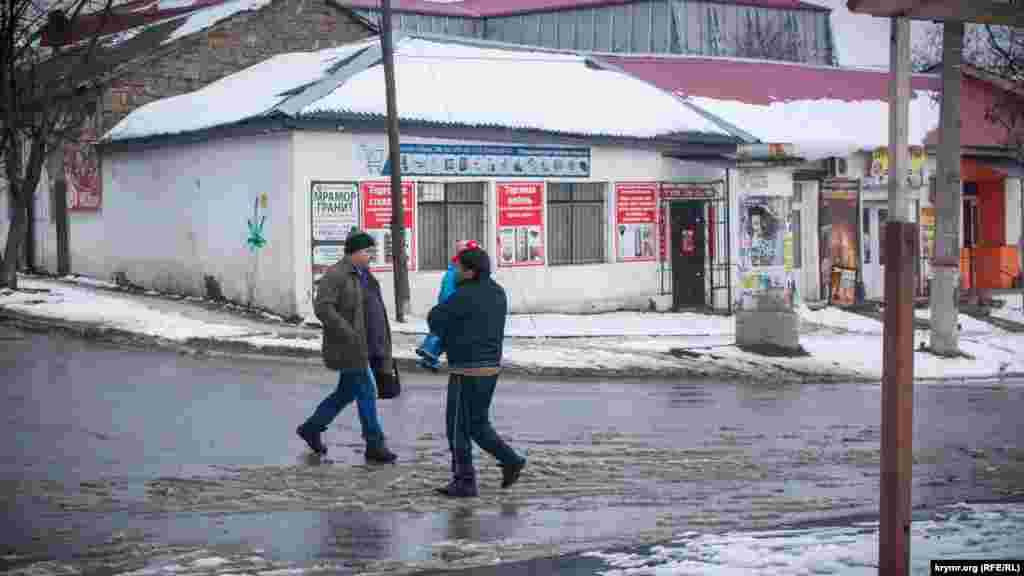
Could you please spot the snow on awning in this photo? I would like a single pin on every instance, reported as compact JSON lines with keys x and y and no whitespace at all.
{"x":450,"y":83}
{"x":825,"y":128}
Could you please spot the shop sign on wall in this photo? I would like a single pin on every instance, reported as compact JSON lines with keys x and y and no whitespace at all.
{"x":520,"y":224}
{"x":635,"y":212}
{"x":334,"y":211}
{"x":477,"y":160}
{"x":377,"y":217}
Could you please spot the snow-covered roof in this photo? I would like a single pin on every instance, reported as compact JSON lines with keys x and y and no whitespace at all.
{"x":825,"y":128}
{"x":444,"y":82}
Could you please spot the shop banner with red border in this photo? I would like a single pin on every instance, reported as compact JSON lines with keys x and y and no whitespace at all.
{"x":82,"y":174}
{"x":520,"y":224}
{"x":376,"y":198}
{"x":636,"y":209}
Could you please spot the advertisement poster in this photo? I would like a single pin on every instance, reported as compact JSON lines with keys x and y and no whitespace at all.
{"x":376,"y":198}
{"x":82,"y":173}
{"x":520,"y":224}
{"x":764,"y":233}
{"x":878,"y":170}
{"x":839,"y":219}
{"x":635,"y":216}
{"x":335,"y":210}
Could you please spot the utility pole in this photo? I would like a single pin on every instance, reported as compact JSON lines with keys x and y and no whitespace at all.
{"x":901,"y":238}
{"x":397,"y":209}
{"x":944,"y":295}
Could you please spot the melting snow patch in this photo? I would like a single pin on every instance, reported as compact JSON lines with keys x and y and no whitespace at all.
{"x":211,"y":562}
{"x":954,"y":532}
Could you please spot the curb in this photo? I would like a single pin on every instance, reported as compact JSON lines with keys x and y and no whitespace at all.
{"x":234,"y":348}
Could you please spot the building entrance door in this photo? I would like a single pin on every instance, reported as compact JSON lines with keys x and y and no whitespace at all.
{"x":689,"y":251}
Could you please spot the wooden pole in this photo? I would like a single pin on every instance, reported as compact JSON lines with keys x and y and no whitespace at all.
{"x":401,"y":272}
{"x":898,"y":338}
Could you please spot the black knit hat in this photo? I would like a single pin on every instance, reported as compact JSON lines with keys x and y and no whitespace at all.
{"x":358,"y":240}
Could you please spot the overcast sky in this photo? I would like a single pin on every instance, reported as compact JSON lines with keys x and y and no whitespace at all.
{"x":864,"y":40}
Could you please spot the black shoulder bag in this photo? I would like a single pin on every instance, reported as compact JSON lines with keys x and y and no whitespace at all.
{"x":389,"y":383}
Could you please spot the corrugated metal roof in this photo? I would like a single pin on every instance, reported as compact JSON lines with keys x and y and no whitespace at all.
{"x":447,"y":83}
{"x":492,"y":8}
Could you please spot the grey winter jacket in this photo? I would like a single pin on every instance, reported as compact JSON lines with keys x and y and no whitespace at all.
{"x":341,"y":308}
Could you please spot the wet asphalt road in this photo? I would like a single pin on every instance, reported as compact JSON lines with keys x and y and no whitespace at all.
{"x":77,"y":413}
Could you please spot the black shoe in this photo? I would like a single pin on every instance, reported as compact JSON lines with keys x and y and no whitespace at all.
{"x":458,"y":490}
{"x":312,"y":438}
{"x":379,"y":454}
{"x":510,"y":473}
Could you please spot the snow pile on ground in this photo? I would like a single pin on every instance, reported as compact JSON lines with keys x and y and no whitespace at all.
{"x":963,"y":532}
{"x":841,"y":345}
{"x":1012,"y":310}
{"x":74,"y":304}
{"x":601,"y":325}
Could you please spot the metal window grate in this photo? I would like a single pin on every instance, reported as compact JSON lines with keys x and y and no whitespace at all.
{"x":447,"y":213}
{"x":576,"y":223}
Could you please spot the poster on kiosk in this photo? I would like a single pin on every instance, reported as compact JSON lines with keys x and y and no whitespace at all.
{"x":636,"y":208}
{"x":520,"y":224}
{"x":377,"y":223}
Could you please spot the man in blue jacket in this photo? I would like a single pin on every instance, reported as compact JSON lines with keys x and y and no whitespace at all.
{"x":471,"y":326}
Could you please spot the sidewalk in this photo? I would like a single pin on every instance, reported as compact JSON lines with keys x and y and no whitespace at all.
{"x":843,"y":346}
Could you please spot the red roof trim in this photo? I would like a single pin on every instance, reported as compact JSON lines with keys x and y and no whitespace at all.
{"x":762,"y":81}
{"x":125,"y":17}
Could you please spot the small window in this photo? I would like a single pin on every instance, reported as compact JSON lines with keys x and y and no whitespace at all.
{"x":576,"y":223}
{"x":448,"y":213}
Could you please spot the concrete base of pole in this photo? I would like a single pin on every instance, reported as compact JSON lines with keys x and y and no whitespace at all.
{"x":897,"y":399}
{"x":773,"y":322}
{"x":945,"y":307}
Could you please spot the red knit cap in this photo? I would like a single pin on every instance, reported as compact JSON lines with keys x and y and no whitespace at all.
{"x":470,"y":245}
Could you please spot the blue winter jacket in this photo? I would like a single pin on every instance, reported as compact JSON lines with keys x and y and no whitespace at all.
{"x":471,"y":324}
{"x":447,"y":285}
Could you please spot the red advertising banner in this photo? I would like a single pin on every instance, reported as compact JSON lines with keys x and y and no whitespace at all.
{"x":82,"y":173}
{"x":636,"y":206}
{"x":376,"y":198}
{"x":520,"y":224}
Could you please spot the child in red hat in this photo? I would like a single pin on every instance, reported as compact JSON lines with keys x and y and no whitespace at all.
{"x":430,"y":349}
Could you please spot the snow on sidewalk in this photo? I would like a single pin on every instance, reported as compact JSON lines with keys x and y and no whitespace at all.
{"x":841,"y":344}
{"x":976,"y":531}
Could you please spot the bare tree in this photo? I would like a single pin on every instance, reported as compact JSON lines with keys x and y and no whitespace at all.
{"x":996,"y":55}
{"x":773,"y":38}
{"x":46,"y":91}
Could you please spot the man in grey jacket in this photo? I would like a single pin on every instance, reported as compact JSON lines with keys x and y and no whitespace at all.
{"x":356,"y":337}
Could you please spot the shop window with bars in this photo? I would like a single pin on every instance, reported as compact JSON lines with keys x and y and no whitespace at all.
{"x":576,"y":223}
{"x":447,"y":213}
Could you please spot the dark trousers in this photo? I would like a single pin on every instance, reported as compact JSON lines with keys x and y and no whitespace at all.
{"x":468,"y":420}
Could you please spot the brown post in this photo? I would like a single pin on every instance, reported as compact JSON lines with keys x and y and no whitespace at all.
{"x":897,"y":399}
{"x":397,"y":210}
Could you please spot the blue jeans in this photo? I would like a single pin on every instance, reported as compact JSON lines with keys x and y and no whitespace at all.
{"x":468,"y":418}
{"x":358,"y":385}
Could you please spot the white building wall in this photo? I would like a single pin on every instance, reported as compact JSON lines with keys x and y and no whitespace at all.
{"x":175,"y":214}
{"x":332,"y":156}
